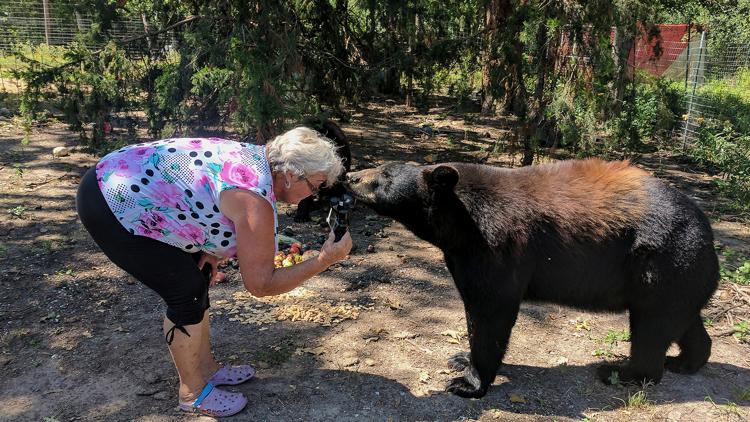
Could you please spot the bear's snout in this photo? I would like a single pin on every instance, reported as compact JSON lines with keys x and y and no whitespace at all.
{"x":352,"y":178}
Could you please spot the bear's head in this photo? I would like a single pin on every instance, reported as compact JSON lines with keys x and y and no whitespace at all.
{"x":409,"y":194}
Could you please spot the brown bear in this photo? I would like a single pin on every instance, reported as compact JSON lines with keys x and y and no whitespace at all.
{"x":596,"y":235}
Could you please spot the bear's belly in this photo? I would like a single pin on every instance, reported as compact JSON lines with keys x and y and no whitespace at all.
{"x":587,"y":276}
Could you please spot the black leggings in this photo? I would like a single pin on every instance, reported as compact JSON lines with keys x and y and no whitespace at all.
{"x":169,"y":271}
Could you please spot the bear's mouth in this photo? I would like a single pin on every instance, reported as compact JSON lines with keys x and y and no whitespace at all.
{"x":362,"y":185}
{"x":367,"y":197}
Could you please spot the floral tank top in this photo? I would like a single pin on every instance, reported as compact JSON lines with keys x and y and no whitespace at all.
{"x":169,"y":190}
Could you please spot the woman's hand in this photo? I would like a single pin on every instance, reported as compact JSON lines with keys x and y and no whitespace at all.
{"x":214,"y":261}
{"x":332,"y":252}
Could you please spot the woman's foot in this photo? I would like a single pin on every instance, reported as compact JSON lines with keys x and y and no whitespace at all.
{"x":216,"y":402}
{"x":232,"y":375}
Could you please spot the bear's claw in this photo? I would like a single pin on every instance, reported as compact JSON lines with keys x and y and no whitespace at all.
{"x":459,"y":361}
{"x":462,"y":387}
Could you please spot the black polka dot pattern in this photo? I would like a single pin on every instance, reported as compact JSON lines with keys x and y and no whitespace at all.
{"x":194,"y":167}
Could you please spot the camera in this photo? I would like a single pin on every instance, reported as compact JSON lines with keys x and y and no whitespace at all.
{"x":338,"y":217}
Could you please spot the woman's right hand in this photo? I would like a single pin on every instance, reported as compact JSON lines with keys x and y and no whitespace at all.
{"x":332,"y":251}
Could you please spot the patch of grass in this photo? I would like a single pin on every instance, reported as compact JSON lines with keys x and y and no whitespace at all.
{"x":741,"y":331}
{"x":602,"y":352}
{"x":613,"y":337}
{"x":638,"y":399}
{"x":735,"y":267}
{"x":609,"y":342}
{"x":46,"y":246}
{"x":66,"y":271}
{"x":18,"y":212}
{"x":278,"y":354}
{"x":3,"y":250}
{"x":728,"y":407}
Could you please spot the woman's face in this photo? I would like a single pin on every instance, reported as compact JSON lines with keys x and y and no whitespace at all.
{"x":302,"y":186}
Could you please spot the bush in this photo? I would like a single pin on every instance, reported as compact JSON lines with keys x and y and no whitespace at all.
{"x":719,"y":145}
{"x":657,"y":107}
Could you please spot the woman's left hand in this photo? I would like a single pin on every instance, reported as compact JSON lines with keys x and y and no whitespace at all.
{"x":214,"y":261}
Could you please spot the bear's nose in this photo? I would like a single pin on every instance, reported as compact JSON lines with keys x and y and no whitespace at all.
{"x":352,"y":178}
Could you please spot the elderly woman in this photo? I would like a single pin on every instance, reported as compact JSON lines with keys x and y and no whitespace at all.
{"x":168,"y":211}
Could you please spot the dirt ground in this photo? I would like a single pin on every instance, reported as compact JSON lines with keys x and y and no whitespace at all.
{"x":366,"y":340}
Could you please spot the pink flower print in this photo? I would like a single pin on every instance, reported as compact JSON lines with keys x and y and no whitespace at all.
{"x":155,"y":220}
{"x":192,"y":233}
{"x":138,"y":154}
{"x":205,"y":183}
{"x":168,"y":195}
{"x":145,"y":231}
{"x":195,"y":143}
{"x":239,"y":175}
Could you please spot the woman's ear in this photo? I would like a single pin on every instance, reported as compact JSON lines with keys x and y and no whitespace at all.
{"x":287,"y":179}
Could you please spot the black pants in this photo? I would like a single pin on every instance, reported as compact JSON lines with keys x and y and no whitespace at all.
{"x":169,"y":271}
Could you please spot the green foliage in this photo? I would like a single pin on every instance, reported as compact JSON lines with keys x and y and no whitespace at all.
{"x":741,"y":331}
{"x":657,"y":106}
{"x":721,"y":146}
{"x":735,"y":268}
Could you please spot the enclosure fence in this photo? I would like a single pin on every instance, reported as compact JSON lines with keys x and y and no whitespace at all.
{"x":684,"y":53}
{"x":688,"y":56}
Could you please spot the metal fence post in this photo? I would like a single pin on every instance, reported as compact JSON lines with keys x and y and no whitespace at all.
{"x":45,"y":6}
{"x":696,"y":69}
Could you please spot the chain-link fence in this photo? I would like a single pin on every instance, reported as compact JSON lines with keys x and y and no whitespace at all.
{"x":687,"y":55}
{"x":39,"y":30}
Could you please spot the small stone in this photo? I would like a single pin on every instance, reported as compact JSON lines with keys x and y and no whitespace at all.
{"x":370,"y":249}
{"x":674,"y":416}
{"x":161,"y":395}
{"x":390,"y":248}
{"x":350,"y":361}
{"x":263,"y":365}
{"x":370,"y":362}
{"x":58,"y":152}
{"x":151,"y":378}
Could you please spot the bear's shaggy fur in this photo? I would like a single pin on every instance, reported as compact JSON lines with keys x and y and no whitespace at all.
{"x":602,"y":236}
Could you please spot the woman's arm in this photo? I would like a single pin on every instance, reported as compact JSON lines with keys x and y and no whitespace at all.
{"x":254,"y":227}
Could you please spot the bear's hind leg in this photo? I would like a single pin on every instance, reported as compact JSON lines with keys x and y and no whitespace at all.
{"x":651,"y":333}
{"x":695,"y":349}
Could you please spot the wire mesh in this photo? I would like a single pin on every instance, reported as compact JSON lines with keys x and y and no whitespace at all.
{"x":24,"y":26}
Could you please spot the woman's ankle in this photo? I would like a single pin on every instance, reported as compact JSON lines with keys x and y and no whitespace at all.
{"x":188,"y":394}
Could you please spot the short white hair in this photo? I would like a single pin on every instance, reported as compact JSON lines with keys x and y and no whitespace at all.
{"x":303,"y":151}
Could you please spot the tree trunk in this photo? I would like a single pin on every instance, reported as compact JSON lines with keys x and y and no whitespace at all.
{"x":490,"y":60}
{"x":621,"y":46}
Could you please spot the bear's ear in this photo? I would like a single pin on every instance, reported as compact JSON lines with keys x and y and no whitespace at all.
{"x":441,"y":177}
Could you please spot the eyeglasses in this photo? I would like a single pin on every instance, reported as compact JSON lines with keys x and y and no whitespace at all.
{"x":313,"y":189}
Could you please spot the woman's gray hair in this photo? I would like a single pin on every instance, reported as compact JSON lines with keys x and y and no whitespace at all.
{"x":303,"y":151}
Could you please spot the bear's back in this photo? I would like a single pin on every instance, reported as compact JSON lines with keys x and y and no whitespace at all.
{"x":589,"y":199}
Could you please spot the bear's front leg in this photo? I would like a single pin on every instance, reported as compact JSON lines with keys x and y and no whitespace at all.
{"x":488,"y":339}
